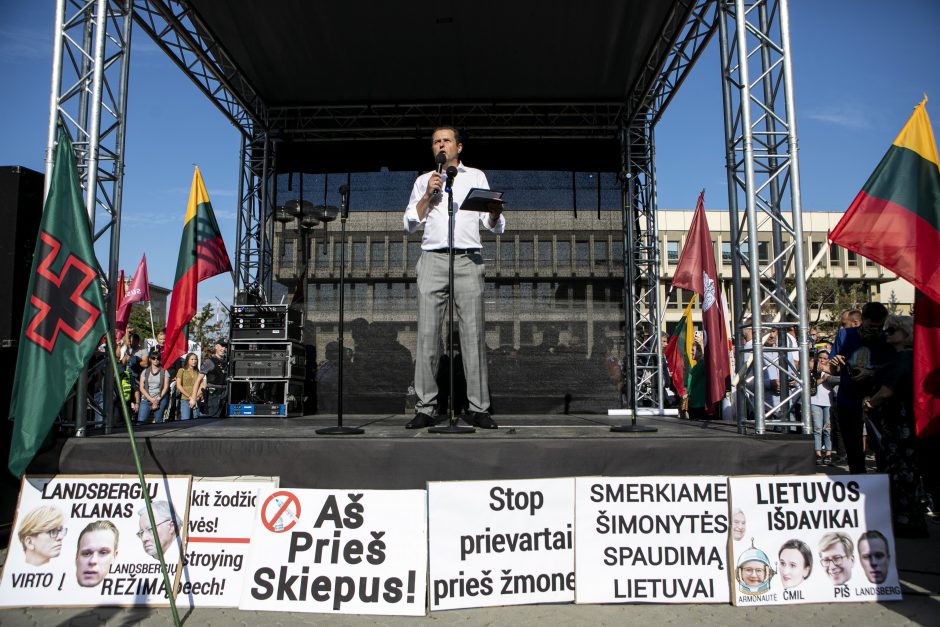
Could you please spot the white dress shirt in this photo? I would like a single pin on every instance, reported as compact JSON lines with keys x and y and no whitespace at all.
{"x":466,"y":223}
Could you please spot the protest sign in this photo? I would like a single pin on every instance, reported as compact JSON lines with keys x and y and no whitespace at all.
{"x":651,"y":540}
{"x":812,"y":539}
{"x":337,"y":551}
{"x":501,"y":542}
{"x":87,"y":540}
{"x":221,"y":517}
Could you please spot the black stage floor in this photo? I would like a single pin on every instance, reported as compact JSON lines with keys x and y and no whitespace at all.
{"x":388,"y":456}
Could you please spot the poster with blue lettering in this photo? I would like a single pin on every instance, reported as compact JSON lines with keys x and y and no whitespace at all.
{"x":508,"y":542}
{"x":338,"y":552}
{"x":88,"y":541}
{"x":651,"y":540}
{"x":812,"y":539}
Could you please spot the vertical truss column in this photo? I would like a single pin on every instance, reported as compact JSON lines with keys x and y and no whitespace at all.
{"x":254,"y":230}
{"x":763,"y":171}
{"x":641,"y":264}
{"x":91,"y":57}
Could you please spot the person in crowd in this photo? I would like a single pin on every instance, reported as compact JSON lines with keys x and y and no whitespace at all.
{"x":820,"y":404}
{"x":850,"y":319}
{"x":427,"y":208}
{"x":168,"y":523}
{"x":857,"y":353}
{"x":837,"y":556}
{"x":127,"y":346}
{"x":186,"y":379}
{"x":213,"y":379}
{"x":874,"y":554}
{"x":95,"y":551}
{"x":738,"y":525}
{"x":794,"y":563}
{"x":154,"y":390}
{"x":890,"y":410}
{"x":41,"y":533}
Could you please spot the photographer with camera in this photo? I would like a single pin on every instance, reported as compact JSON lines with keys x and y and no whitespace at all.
{"x":857,"y":353}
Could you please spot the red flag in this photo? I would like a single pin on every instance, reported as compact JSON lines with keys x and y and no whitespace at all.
{"x":926,"y":366}
{"x":138,"y":291}
{"x":697,"y":272}
{"x":202,"y":255}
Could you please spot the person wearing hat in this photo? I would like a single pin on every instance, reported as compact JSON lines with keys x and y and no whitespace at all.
{"x":754,"y":571}
{"x":213,"y":379}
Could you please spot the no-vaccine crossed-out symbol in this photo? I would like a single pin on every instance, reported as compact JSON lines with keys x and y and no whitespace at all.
{"x":280,"y":512}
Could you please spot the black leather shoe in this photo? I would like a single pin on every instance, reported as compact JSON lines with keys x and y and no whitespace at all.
{"x":483,"y":420}
{"x":420,"y":421}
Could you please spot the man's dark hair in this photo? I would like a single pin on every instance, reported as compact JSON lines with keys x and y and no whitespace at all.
{"x":457,"y":136}
{"x":874,"y":311}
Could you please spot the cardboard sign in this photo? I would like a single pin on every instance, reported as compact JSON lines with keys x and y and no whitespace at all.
{"x":501,"y":542}
{"x":221,"y":518}
{"x":338,"y":552}
{"x":87,"y":541}
{"x":651,"y":540}
{"x":812,"y":539}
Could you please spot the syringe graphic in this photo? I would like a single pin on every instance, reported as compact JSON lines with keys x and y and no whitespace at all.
{"x":279,"y":525}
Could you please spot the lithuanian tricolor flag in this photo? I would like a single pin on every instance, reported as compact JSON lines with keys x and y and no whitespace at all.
{"x":679,"y":350}
{"x":895,"y":219}
{"x":202,"y":255}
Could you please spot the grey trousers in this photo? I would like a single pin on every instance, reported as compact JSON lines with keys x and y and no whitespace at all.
{"x":432,"y":270}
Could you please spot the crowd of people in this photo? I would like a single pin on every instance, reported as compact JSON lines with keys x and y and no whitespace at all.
{"x":185,"y":389}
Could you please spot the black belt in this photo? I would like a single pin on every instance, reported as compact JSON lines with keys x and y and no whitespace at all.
{"x":457,"y":251}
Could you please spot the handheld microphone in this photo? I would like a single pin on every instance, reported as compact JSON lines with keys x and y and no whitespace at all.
{"x":344,"y":201}
{"x":451,"y":174}
{"x":440,"y":159}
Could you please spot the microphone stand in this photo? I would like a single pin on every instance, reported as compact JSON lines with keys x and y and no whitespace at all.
{"x":339,"y":429}
{"x":452,"y":426}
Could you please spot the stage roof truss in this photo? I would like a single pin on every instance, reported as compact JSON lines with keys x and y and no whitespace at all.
{"x":178,"y":30}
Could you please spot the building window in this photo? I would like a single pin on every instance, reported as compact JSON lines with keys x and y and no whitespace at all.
{"x":395,"y":255}
{"x":489,"y":251}
{"x":600,"y":251}
{"x":582,"y":252}
{"x":834,"y":254}
{"x":814,"y":249}
{"x":563,"y":252}
{"x":869,"y":263}
{"x":507,"y":251}
{"x":288,"y":253}
{"x":672,"y":252}
{"x":851,"y":257}
{"x":414,"y":252}
{"x":545,"y":252}
{"x":377,"y":255}
{"x":526,"y":252}
{"x":616,"y":252}
{"x":726,"y":253}
{"x":763,"y":252}
{"x":358,"y":255}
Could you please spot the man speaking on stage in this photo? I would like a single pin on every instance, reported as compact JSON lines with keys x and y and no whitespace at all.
{"x":428,"y":207}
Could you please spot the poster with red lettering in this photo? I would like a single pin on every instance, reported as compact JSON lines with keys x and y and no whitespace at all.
{"x":812,"y":539}
{"x":89,"y":541}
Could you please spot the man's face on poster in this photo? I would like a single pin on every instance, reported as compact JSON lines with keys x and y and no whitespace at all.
{"x":96,"y":550}
{"x":838,"y":565}
{"x":165,"y":532}
{"x":738,"y":526}
{"x":874,"y":556}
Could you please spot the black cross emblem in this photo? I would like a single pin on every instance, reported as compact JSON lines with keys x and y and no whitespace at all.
{"x":58,"y":299}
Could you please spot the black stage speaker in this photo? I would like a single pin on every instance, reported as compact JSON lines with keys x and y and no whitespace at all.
{"x":20,"y":213}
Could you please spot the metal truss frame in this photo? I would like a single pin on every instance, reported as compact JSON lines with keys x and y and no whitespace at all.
{"x":641,"y":262}
{"x":88,"y":97}
{"x":763,"y":176}
{"x":255,"y":227}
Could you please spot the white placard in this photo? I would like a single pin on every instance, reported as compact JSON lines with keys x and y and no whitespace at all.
{"x":87,"y":541}
{"x":500,"y":542}
{"x":338,"y":552}
{"x":221,"y":518}
{"x":651,"y":540}
{"x":812,"y":539}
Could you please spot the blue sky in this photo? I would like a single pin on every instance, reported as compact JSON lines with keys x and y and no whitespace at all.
{"x":859,"y":68}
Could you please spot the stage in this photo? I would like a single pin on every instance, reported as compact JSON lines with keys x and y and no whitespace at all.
{"x":388,"y":456}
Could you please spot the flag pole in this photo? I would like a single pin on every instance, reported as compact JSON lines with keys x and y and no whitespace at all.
{"x":171,"y":593}
{"x":153,"y":327}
